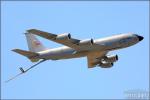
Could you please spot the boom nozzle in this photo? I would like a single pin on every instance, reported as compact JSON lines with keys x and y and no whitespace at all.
{"x":22,"y":70}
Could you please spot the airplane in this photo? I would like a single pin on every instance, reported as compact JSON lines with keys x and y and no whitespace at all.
{"x":96,"y":50}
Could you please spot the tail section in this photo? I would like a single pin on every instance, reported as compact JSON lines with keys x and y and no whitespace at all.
{"x":31,"y":55}
{"x":34,"y":44}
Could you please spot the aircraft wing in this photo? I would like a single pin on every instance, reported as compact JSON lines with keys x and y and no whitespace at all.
{"x":62,"y":38}
{"x":94,"y":57}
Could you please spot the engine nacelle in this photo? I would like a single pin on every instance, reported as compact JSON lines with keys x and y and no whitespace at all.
{"x":111,"y":58}
{"x":86,"y":42}
{"x":65,"y":36}
{"x":105,"y":65}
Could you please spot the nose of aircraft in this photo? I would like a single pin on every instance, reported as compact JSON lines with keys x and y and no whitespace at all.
{"x":140,"y":37}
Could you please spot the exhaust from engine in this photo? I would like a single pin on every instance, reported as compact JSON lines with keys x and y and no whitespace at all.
{"x":86,"y":42}
{"x":111,"y":58}
{"x":105,"y":65}
{"x":65,"y":36}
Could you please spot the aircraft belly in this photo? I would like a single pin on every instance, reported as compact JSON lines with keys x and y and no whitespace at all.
{"x":62,"y":53}
{"x":62,"y":56}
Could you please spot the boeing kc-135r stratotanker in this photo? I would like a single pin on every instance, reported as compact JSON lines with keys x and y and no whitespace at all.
{"x":95,"y":50}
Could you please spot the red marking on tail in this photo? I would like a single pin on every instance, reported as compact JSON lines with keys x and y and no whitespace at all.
{"x":37,"y":43}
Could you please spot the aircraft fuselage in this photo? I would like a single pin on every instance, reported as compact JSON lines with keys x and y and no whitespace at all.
{"x":100,"y":45}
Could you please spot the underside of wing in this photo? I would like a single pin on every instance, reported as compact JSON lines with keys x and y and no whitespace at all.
{"x":101,"y":59}
{"x":94,"y":57}
{"x":64,"y":39}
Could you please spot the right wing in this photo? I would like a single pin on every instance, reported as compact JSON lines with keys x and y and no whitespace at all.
{"x":94,"y":57}
{"x":50,"y":36}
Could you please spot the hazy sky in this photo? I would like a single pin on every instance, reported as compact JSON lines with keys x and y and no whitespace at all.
{"x":71,"y":79}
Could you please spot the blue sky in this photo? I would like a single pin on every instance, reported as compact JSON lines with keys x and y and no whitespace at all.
{"x":71,"y":79}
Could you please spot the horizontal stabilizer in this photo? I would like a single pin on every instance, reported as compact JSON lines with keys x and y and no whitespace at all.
{"x":28,"y":54}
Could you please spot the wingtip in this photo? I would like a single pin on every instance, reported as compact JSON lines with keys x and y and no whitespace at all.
{"x":29,"y":30}
{"x":14,"y":50}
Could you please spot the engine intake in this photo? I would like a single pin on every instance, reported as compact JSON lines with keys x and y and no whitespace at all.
{"x":65,"y":36}
{"x":86,"y":42}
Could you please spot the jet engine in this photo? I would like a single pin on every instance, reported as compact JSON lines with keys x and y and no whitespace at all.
{"x":111,"y":58}
{"x":105,"y":65}
{"x":65,"y":36}
{"x":86,"y":42}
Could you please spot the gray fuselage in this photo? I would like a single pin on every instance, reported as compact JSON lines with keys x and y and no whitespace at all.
{"x":100,"y":45}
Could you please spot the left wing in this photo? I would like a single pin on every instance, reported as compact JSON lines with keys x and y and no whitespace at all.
{"x":64,"y":39}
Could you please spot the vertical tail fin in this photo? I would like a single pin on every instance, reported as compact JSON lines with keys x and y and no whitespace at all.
{"x":34,"y":44}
